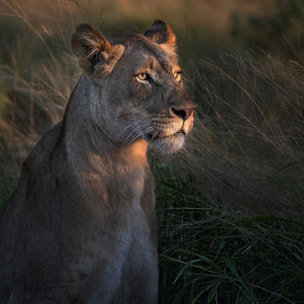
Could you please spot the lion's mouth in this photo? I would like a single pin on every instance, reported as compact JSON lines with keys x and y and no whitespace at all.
{"x":170,"y":143}
{"x":182,"y":132}
{"x":152,"y":137}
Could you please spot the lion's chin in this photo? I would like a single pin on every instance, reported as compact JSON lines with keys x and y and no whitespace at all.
{"x":169,"y":144}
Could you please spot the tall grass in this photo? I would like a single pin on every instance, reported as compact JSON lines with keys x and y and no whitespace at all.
{"x":37,"y":74}
{"x":211,"y":255}
{"x":230,"y":204}
{"x":248,"y":144}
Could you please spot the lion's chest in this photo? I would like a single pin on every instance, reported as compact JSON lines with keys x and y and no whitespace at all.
{"x":116,"y":241}
{"x":123,"y":188}
{"x":114,"y":235}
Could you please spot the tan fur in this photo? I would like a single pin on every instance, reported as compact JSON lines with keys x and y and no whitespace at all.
{"x":81,"y":226}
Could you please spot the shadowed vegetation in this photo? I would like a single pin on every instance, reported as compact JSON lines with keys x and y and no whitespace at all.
{"x":230,"y":204}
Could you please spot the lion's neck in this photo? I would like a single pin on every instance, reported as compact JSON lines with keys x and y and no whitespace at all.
{"x":86,"y":142}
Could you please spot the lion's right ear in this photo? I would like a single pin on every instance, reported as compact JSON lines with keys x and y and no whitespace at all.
{"x":161,"y":33}
{"x":95,"y":53}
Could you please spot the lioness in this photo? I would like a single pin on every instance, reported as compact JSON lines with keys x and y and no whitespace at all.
{"x":81,"y":226}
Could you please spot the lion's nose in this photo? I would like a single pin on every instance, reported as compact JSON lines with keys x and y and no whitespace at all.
{"x":183,"y":113}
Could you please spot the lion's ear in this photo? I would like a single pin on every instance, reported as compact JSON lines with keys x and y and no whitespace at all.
{"x":95,"y":53}
{"x":160,"y":32}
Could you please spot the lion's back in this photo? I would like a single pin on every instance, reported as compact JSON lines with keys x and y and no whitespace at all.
{"x":17,"y":226}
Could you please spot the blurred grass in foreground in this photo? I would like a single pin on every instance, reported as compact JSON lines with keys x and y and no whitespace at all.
{"x":230,"y":204}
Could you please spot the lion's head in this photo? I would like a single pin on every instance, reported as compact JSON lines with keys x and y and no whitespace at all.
{"x":137,"y":86}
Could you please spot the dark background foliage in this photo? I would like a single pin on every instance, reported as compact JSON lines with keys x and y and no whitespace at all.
{"x":230,"y":204}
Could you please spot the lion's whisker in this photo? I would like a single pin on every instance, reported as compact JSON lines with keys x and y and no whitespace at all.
{"x":140,"y":129}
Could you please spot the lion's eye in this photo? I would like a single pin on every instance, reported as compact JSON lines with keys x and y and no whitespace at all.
{"x":177,"y":75}
{"x":142,"y":76}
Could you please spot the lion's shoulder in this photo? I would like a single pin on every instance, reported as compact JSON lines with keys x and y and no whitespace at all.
{"x":42,"y":152}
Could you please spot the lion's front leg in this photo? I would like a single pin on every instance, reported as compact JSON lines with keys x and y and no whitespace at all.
{"x":145,"y":286}
{"x":140,"y":282}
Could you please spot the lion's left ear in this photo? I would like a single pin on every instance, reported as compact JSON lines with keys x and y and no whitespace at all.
{"x":96,"y":56}
{"x":160,"y":32}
